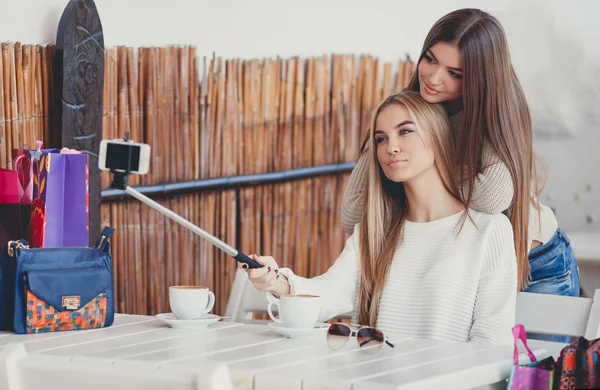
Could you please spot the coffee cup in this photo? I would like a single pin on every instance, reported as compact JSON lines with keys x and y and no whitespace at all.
{"x":190,"y":302}
{"x":296,"y":310}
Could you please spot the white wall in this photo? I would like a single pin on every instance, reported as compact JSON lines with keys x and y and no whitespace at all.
{"x":554,"y":44}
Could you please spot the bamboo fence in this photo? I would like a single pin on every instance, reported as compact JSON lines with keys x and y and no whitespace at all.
{"x":25,"y":97}
{"x":211,"y":118}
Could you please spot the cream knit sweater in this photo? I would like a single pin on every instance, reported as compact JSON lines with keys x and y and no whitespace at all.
{"x":442,"y":285}
{"x":493,"y":193}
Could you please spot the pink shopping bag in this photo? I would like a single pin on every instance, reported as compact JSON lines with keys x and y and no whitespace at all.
{"x":537,"y":375}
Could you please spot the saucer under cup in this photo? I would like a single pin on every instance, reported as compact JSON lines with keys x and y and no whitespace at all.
{"x":202,"y":322}
{"x":318,"y":331}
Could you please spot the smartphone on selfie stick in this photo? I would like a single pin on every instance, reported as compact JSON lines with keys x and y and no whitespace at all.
{"x":123,"y":157}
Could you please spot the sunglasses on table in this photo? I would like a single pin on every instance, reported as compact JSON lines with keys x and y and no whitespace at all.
{"x":370,"y":340}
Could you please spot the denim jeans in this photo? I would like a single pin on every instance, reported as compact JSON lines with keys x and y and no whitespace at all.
{"x":554,"y":271}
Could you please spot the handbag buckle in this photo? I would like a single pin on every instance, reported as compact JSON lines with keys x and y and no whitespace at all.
{"x":71,"y":302}
{"x":17,"y":245}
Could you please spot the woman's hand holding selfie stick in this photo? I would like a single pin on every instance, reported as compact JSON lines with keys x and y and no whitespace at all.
{"x":268,"y":278}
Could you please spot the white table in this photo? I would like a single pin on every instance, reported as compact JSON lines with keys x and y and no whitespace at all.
{"x":252,"y":357}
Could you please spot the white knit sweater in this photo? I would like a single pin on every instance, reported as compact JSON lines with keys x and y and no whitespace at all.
{"x":443,"y":285}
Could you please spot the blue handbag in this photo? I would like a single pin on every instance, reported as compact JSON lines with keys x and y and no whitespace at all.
{"x":56,"y":289}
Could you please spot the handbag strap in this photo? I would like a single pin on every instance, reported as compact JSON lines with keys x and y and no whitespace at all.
{"x":102,"y":241}
{"x":519,"y":333}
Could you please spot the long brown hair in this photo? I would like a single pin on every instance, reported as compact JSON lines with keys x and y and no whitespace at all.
{"x":495,"y":111}
{"x":385,"y":200}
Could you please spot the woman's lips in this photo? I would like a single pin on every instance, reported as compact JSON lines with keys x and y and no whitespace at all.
{"x":430,"y":90}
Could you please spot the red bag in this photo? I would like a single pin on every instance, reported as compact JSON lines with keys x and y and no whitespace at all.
{"x":11,"y":226}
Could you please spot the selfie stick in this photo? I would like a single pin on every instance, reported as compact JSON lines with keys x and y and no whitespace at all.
{"x":120,"y":182}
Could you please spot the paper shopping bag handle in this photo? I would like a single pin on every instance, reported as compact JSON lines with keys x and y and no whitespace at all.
{"x":519,"y":333}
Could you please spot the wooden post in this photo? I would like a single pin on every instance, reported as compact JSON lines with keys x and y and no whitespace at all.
{"x":79,"y":87}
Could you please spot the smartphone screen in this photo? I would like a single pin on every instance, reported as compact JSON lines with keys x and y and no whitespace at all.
{"x":118,"y":154}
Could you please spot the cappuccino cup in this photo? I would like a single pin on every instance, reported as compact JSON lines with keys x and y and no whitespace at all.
{"x":190,"y":302}
{"x":295,"y":310}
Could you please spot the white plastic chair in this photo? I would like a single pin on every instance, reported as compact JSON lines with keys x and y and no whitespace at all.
{"x":245,"y":300}
{"x":558,"y":315}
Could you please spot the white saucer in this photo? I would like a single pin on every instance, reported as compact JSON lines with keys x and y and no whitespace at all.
{"x":173,"y":322}
{"x":320,"y":330}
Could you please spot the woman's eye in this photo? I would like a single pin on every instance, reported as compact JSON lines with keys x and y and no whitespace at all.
{"x":405,"y":131}
{"x":379,"y":140}
{"x":456,"y":75}
{"x":428,"y":59}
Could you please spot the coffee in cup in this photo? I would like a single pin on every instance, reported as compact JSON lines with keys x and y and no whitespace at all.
{"x":296,"y":310}
{"x":190,"y":302}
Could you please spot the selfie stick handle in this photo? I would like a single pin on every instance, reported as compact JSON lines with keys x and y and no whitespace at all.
{"x":120,"y":181}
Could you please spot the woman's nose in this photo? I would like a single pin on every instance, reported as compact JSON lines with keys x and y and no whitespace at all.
{"x":393,"y":147}
{"x":435,"y":78}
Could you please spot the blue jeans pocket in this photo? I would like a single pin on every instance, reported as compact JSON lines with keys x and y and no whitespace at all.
{"x":555,"y":285}
{"x":549,"y":261}
{"x":554,"y":268}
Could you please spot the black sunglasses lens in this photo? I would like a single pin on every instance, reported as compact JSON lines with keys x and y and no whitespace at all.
{"x":370,"y":340}
{"x":338,"y":335}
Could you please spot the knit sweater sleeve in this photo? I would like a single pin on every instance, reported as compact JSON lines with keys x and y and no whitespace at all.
{"x":495,"y":304}
{"x":352,"y":202}
{"x":493,"y":189}
{"x":336,"y":287}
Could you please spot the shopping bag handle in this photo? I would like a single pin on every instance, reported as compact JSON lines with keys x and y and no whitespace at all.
{"x":519,"y":333}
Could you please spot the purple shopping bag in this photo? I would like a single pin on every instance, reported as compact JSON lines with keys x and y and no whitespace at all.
{"x":537,"y":375}
{"x":59,"y":212}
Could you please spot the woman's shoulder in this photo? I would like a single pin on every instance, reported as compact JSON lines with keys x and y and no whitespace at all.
{"x":353,"y":239}
{"x":487,"y":223}
{"x":496,"y":235}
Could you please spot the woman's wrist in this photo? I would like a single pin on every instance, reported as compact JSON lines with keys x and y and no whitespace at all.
{"x":282,"y":286}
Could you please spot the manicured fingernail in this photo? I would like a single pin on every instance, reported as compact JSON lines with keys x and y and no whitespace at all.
{"x":276,"y":271}
{"x":277,"y":277}
{"x":269,"y":269}
{"x":244,"y":265}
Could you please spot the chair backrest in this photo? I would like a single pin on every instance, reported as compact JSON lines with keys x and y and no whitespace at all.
{"x":245,"y":300}
{"x":593,"y":327}
{"x":559,"y":315}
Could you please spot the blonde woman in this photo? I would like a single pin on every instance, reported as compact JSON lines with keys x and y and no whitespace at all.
{"x":419,"y":263}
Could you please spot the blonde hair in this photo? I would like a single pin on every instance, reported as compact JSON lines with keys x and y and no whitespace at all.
{"x":385,"y":204}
